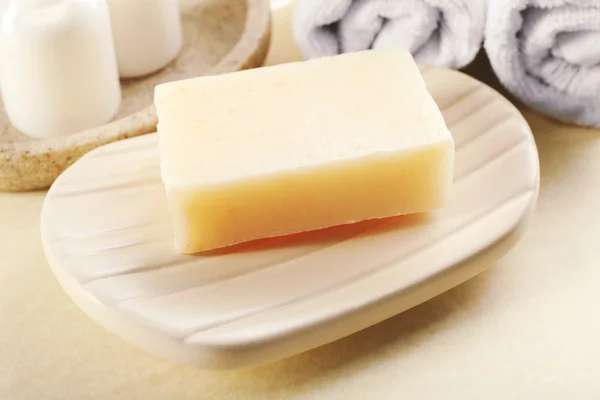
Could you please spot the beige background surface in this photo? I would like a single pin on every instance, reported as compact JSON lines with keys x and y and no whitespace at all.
{"x":527,"y":328}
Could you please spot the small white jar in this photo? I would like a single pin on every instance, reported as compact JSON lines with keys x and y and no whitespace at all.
{"x":58,"y":72}
{"x":147,"y":34}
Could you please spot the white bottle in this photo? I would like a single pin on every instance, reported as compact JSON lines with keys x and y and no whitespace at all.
{"x":59,"y":71}
{"x":147,"y":34}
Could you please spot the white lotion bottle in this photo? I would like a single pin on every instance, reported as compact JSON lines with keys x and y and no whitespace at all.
{"x":147,"y":33}
{"x":59,"y":72}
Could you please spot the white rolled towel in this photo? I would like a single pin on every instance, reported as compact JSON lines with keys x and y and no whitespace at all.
{"x":547,"y":53}
{"x":437,"y":32}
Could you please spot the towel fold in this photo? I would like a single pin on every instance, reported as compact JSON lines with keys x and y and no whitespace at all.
{"x":547,"y":53}
{"x":437,"y":32}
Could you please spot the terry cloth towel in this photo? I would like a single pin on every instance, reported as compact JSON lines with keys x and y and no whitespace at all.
{"x":437,"y":32}
{"x":547,"y":53}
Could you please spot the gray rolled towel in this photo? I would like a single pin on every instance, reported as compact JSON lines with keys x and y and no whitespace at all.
{"x":437,"y":32}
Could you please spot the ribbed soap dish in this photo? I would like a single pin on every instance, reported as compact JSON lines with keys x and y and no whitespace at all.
{"x":114,"y":255}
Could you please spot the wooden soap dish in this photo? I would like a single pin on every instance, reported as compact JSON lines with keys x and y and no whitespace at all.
{"x":220,"y":36}
{"x":266,"y":300}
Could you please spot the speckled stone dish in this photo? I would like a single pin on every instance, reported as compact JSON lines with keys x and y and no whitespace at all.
{"x":220,"y":36}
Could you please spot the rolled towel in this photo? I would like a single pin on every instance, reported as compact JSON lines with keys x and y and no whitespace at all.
{"x":437,"y":32}
{"x":547,"y":53}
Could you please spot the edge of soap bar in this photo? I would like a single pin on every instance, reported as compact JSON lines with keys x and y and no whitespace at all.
{"x":351,"y":191}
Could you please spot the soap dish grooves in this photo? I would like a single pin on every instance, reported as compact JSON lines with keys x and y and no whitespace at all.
{"x":271,"y":299}
{"x":220,"y":36}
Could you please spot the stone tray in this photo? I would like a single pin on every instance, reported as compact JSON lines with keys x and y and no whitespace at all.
{"x":220,"y":36}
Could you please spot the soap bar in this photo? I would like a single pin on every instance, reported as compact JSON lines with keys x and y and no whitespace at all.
{"x":301,"y":146}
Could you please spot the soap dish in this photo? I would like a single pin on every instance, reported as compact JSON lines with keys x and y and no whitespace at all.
{"x":220,"y":36}
{"x":108,"y":238}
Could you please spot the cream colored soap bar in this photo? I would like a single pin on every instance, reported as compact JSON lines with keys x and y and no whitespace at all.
{"x":302,"y":146}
